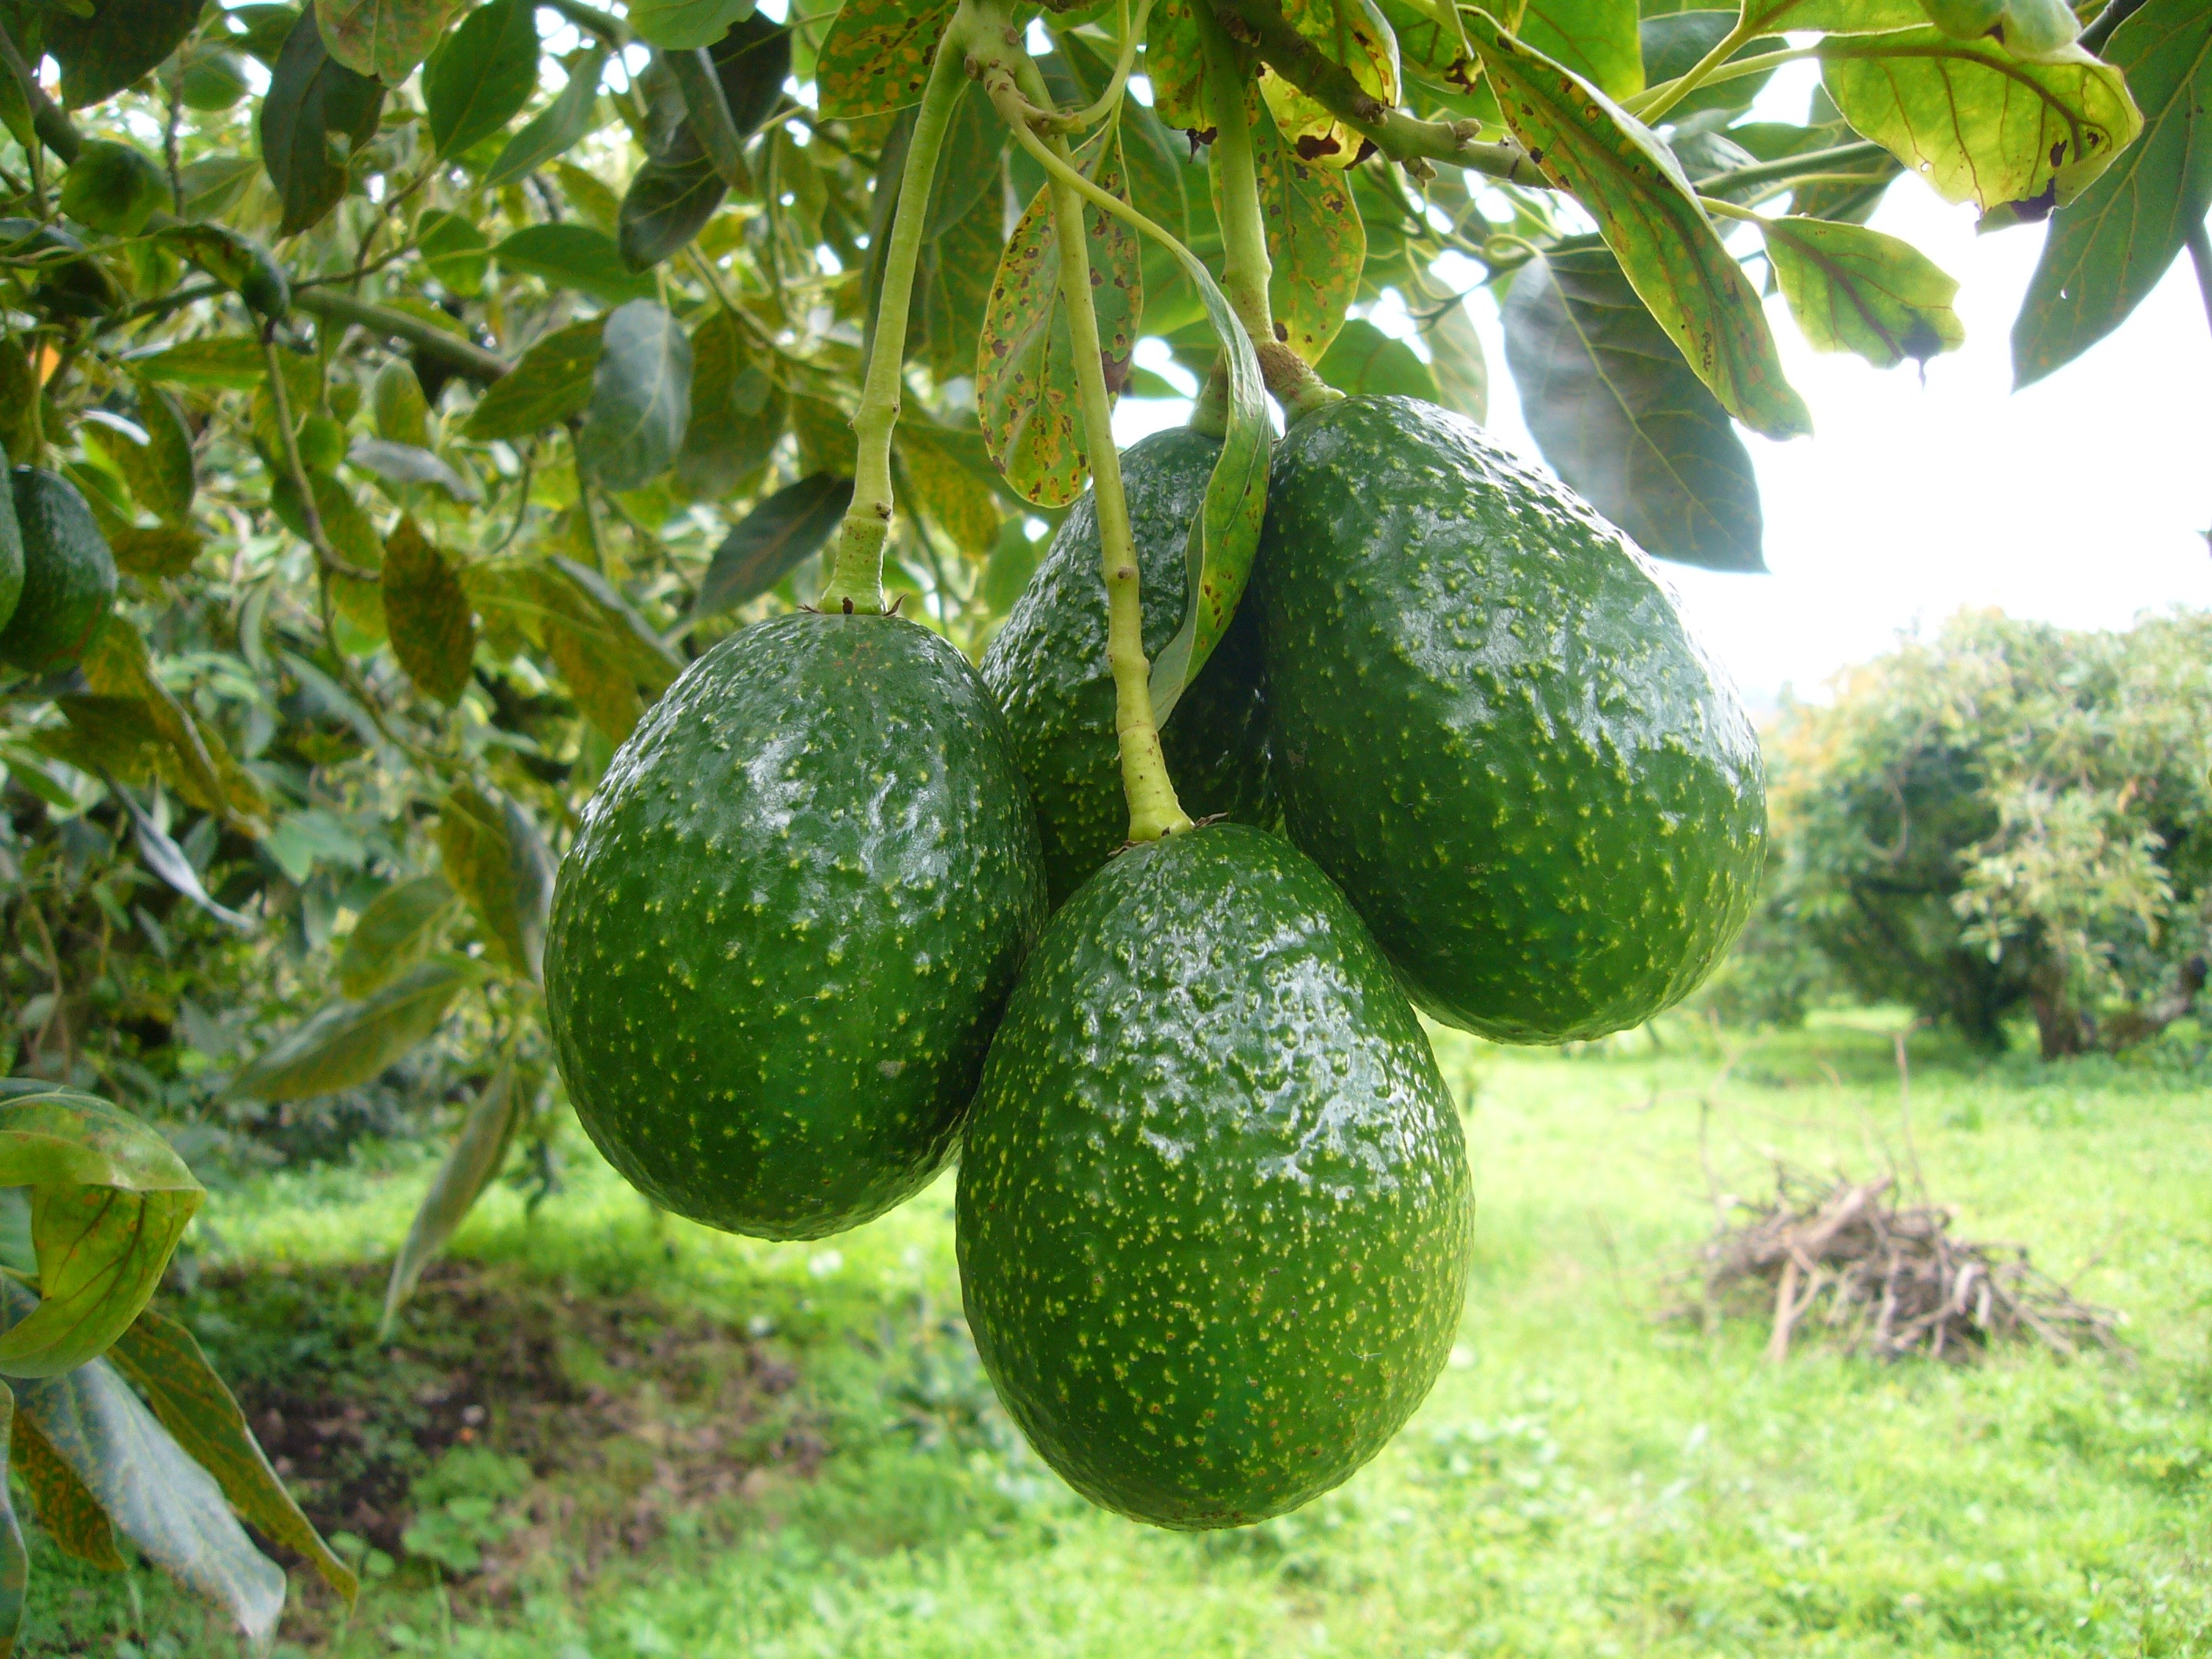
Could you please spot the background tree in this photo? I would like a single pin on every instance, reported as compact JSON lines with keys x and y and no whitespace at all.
{"x":2009,"y":817}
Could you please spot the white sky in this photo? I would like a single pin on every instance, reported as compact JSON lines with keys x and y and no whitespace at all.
{"x":2081,"y":501}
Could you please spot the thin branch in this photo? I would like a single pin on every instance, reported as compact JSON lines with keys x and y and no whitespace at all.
{"x":1260,"y":24}
{"x":463,"y":356}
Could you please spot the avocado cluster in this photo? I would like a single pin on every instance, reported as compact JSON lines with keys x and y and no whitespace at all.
{"x":56,"y":573}
{"x":843,"y":905}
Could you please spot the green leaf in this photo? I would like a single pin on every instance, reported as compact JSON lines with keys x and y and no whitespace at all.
{"x":164,"y":1360}
{"x":574,"y":256}
{"x":1834,"y":16}
{"x":406,"y":464}
{"x":1316,"y":242}
{"x":1462,"y":371}
{"x":396,"y":403}
{"x":669,"y":202}
{"x":737,"y":413}
{"x":499,"y":863}
{"x":393,"y":933}
{"x":1366,"y":360}
{"x":155,"y":550}
{"x":942,"y":470}
{"x":1673,"y":45}
{"x":771,"y":541}
{"x":15,"y":1558}
{"x":1025,"y":364}
{"x":2109,"y":248}
{"x":1675,"y":259}
{"x":113,"y":187}
{"x":224,"y":361}
{"x":480,"y":78}
{"x":685,"y":25}
{"x":955,"y":277}
{"x":1598,"y":40}
{"x":478,"y":1152}
{"x":552,"y":382}
{"x":109,"y":1201}
{"x":386,"y":39}
{"x":1354,"y":35}
{"x":1855,"y":289}
{"x":1620,"y":417}
{"x":453,"y":251}
{"x":1978,"y":124}
{"x":876,"y":55}
{"x":426,"y":612}
{"x":640,"y":399}
{"x":315,"y":112}
{"x":160,"y":471}
{"x":149,"y":1489}
{"x":117,"y":665}
{"x":117,"y":44}
{"x":586,"y":602}
{"x":214,"y":185}
{"x":349,"y":1043}
{"x":559,"y":127}
{"x":64,"y":1506}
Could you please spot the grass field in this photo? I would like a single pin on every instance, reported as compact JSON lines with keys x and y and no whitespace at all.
{"x":601,"y":1434}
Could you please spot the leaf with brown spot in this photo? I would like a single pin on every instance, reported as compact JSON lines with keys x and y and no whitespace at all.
{"x":1025,"y":387}
{"x":876,"y":55}
{"x":1354,"y":35}
{"x":1978,"y":123}
{"x":1672,"y":255}
{"x":1316,"y":242}
{"x":426,"y":610}
{"x":1855,"y":289}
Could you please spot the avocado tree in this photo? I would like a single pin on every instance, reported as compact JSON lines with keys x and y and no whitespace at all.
{"x":404,"y":396}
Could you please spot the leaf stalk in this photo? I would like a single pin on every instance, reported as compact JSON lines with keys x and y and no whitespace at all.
{"x":856,"y":576}
{"x":996,"y":57}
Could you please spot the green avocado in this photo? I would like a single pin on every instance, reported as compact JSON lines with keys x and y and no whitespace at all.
{"x":788,"y":923}
{"x":1494,"y":730}
{"x":69,"y":575}
{"x":1047,"y":667}
{"x":11,"y":552}
{"x":1214,"y":1215}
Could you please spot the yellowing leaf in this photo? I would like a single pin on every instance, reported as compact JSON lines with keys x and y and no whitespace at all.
{"x":1978,"y":124}
{"x":1650,"y":217}
{"x":1352,"y":34}
{"x":1855,"y":289}
{"x":876,"y":56}
{"x":426,"y":612}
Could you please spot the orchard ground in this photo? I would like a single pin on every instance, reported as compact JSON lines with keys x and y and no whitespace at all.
{"x":601,"y":1434}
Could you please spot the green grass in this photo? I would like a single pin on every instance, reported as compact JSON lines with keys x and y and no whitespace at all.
{"x":821,"y":1469}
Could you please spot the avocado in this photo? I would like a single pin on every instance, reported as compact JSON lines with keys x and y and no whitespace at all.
{"x":788,"y":923}
{"x":69,"y":575}
{"x":1495,"y":730}
{"x":11,"y":553}
{"x":1214,"y":1221}
{"x":1049,"y":669}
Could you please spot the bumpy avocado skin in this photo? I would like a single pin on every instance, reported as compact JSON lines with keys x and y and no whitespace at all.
{"x":1214,"y":1211}
{"x":69,"y":575}
{"x":1494,"y":730}
{"x":1047,"y":668}
{"x":788,"y":924}
{"x":11,"y":552}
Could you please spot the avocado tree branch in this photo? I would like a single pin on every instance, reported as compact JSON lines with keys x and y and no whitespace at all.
{"x":1260,"y":24}
{"x":464,"y":356}
{"x":1786,"y":169}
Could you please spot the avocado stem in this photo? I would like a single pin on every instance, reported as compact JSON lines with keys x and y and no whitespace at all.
{"x":1246,"y":269}
{"x":856,"y":573}
{"x":1015,"y":86}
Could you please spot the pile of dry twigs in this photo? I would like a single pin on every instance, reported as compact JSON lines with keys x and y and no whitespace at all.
{"x":1881,"y":1276}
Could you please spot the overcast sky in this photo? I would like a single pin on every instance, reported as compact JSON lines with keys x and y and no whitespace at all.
{"x":2081,"y":501}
